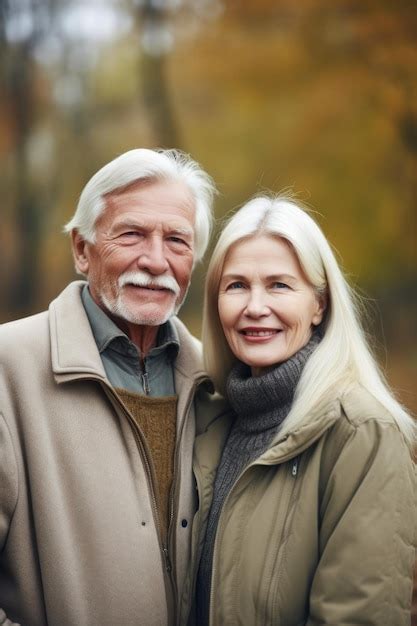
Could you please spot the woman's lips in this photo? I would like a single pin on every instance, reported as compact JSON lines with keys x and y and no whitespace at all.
{"x":259,"y":332}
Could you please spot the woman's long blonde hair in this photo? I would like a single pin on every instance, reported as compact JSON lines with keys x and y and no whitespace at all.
{"x":343,"y":356}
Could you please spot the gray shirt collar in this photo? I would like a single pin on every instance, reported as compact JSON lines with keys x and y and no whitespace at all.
{"x":105,"y":331}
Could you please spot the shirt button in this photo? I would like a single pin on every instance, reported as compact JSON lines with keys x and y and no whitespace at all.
{"x":184,"y":523}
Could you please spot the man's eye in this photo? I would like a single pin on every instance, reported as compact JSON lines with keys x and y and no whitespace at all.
{"x":178,"y":241}
{"x":130,"y":235}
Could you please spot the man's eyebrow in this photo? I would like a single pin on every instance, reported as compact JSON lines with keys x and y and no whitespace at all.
{"x":130,"y":224}
{"x":181,"y":230}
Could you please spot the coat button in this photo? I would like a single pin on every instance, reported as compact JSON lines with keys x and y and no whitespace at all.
{"x":184,"y":523}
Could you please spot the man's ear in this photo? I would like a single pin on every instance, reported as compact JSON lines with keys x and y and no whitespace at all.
{"x":79,"y":251}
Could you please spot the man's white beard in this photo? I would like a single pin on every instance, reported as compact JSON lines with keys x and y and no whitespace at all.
{"x":118,"y":308}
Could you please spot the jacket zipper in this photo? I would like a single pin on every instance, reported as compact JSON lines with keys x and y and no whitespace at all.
{"x":145,"y":379}
{"x":293,"y":486}
{"x":173,"y":496}
{"x":294,"y":473}
{"x":294,"y":467}
{"x":195,"y":558}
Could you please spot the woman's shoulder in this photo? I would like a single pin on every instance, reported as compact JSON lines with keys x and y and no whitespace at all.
{"x":365,"y":439}
{"x":364,"y":423}
{"x":360,"y":406}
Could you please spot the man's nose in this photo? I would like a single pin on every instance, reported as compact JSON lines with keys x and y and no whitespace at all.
{"x":152,"y":258}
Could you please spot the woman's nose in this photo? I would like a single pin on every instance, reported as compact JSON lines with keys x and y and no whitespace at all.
{"x":257,"y":304}
{"x":153,"y":258}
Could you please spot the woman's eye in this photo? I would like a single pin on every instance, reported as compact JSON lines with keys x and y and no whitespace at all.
{"x":236,"y":285}
{"x":279,"y":285}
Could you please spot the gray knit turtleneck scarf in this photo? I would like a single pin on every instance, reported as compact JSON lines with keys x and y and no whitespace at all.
{"x":261,"y":404}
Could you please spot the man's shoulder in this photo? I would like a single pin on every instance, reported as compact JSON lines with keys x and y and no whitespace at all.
{"x":24,"y":347}
{"x":33,"y":332}
{"x":27,"y":330}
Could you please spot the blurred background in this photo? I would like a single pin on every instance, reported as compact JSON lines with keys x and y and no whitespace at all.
{"x":315,"y":96}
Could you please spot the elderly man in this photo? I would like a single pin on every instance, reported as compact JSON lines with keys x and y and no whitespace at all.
{"x":97,"y":404}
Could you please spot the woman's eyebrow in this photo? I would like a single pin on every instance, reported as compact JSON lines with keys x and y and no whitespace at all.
{"x":232,"y":277}
{"x":280,"y":277}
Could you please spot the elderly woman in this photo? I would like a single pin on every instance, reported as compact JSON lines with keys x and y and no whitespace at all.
{"x":307,"y":504}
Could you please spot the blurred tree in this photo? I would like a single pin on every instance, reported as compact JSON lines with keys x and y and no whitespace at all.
{"x":156,"y":43}
{"x":160,"y":23}
{"x":319,"y":96}
{"x":22,"y":24}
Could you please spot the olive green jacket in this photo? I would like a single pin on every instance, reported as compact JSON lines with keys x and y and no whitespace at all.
{"x":320,"y":529}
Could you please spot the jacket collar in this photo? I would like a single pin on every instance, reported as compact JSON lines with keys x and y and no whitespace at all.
{"x":74,"y":350}
{"x":296,"y":440}
{"x":106,"y":332}
{"x":209,"y":444}
{"x":189,"y":359}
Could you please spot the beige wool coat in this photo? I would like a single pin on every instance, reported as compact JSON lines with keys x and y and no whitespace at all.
{"x":78,"y":540}
{"x":319,"y":530}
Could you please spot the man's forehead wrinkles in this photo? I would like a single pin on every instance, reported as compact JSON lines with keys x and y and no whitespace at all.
{"x":174,"y":223}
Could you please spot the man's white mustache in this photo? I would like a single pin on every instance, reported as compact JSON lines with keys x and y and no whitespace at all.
{"x":143,"y":279}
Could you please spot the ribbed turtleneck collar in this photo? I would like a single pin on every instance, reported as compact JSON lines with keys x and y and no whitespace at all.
{"x":262,"y":402}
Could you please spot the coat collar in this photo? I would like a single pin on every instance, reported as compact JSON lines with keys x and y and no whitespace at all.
{"x":210,"y":443}
{"x":297,"y":440}
{"x":189,"y":361}
{"x":74,"y":351}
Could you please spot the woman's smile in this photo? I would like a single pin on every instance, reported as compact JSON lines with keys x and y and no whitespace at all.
{"x":266,"y":305}
{"x":253,"y":334}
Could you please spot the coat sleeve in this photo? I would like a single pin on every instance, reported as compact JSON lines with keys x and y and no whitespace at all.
{"x":8,"y":481}
{"x":8,"y":493}
{"x":367,"y":532}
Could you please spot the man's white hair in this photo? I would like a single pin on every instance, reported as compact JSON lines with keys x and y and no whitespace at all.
{"x":146,"y":165}
{"x":343,"y":356}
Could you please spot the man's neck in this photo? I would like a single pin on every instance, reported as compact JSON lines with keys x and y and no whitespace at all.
{"x":144,"y":337}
